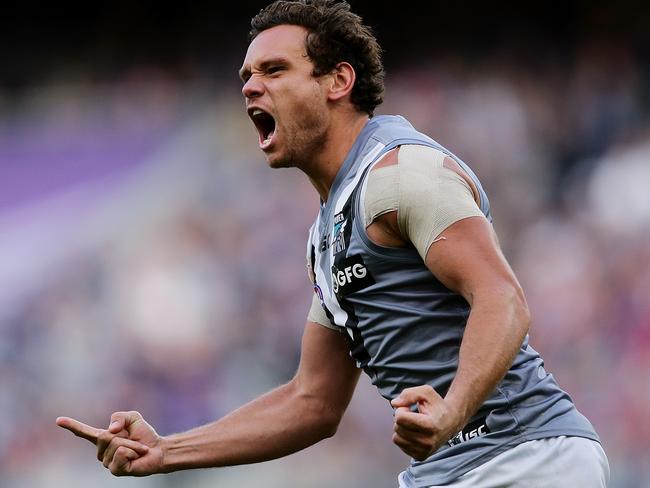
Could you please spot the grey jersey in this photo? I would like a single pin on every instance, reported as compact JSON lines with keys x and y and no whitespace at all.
{"x":405,"y":327}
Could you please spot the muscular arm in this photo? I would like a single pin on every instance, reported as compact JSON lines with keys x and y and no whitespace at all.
{"x":468,"y":260}
{"x":285,"y":420}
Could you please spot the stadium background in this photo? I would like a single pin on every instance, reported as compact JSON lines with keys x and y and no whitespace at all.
{"x":150,"y":260}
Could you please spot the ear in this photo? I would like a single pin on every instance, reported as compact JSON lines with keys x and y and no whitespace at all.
{"x":342,"y":81}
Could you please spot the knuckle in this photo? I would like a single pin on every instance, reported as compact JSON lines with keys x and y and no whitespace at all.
{"x":116,"y":416}
{"x":401,"y":415}
{"x":107,"y":455}
{"x":402,"y":433}
{"x":102,"y":436}
{"x":424,"y":444}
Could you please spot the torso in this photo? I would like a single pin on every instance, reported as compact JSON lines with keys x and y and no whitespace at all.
{"x":405,"y":327}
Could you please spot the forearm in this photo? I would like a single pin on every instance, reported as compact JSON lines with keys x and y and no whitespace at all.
{"x":279,"y":423}
{"x":495,"y":330}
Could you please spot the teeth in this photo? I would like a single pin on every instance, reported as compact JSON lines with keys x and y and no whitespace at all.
{"x":268,"y":139}
{"x":257,"y":111}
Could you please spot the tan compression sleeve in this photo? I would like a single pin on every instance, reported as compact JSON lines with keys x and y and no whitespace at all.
{"x":317,"y":314}
{"x":427,"y":196}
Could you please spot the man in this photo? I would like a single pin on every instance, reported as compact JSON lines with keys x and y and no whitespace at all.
{"x":410,"y":286}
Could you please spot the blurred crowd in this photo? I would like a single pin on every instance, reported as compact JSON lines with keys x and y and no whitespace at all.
{"x":177,"y":287}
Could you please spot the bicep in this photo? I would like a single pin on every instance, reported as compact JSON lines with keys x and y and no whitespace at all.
{"x":326,"y":369}
{"x":431,"y":201}
{"x":467,"y":259}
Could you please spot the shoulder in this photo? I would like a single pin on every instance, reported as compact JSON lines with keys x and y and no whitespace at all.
{"x":413,"y":194}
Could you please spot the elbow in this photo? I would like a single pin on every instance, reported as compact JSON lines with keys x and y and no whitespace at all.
{"x":317,"y":415}
{"x":321,"y":426}
{"x":329,"y":429}
{"x":328,"y":423}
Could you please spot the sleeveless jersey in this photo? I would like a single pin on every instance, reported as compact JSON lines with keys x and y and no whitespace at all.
{"x":405,"y":327}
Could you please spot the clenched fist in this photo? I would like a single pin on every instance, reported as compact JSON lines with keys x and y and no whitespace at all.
{"x":419,"y":434}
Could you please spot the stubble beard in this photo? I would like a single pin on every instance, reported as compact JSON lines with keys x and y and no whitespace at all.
{"x":303,"y":140}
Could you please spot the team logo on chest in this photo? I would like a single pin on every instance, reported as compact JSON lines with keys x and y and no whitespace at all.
{"x":338,"y":233}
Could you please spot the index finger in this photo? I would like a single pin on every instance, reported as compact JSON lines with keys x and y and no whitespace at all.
{"x":79,"y":428}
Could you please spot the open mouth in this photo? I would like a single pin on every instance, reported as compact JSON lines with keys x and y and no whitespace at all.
{"x":265,"y":125}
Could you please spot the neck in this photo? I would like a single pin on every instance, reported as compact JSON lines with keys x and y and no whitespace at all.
{"x":322,"y":169}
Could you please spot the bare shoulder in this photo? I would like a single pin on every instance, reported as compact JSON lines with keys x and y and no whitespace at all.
{"x":388,"y":159}
{"x":453,"y":165}
{"x":383,"y":229}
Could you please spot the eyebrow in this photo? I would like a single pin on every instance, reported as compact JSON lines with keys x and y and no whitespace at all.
{"x":245,"y":70}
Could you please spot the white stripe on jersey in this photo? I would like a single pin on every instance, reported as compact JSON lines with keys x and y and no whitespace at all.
{"x":332,"y":304}
{"x":340,"y":315}
{"x":347,"y":191}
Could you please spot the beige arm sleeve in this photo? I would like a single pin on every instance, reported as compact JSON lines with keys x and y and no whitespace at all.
{"x":317,"y":314}
{"x":427,"y":196}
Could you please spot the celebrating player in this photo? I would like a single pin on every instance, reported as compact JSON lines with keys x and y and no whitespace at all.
{"x":410,"y":287}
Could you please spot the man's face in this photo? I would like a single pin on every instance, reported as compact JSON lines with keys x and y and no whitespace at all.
{"x":287,"y":104}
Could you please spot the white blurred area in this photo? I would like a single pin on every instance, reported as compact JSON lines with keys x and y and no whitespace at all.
{"x":151,"y":261}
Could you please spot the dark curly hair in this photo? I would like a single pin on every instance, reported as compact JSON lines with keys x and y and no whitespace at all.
{"x":335,"y":34}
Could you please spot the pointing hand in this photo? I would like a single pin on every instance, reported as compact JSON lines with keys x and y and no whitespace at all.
{"x":130,"y":446}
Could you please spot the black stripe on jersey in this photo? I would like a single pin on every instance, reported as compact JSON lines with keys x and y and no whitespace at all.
{"x":355,"y":343}
{"x":357,"y":349}
{"x":317,"y":290}
{"x":312,"y":256}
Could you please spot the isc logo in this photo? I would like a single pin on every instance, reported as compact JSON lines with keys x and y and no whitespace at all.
{"x":350,"y":275}
{"x":477,"y":428}
{"x":344,"y":277}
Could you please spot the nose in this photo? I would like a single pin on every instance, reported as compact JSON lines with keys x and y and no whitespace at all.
{"x":253,"y":87}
